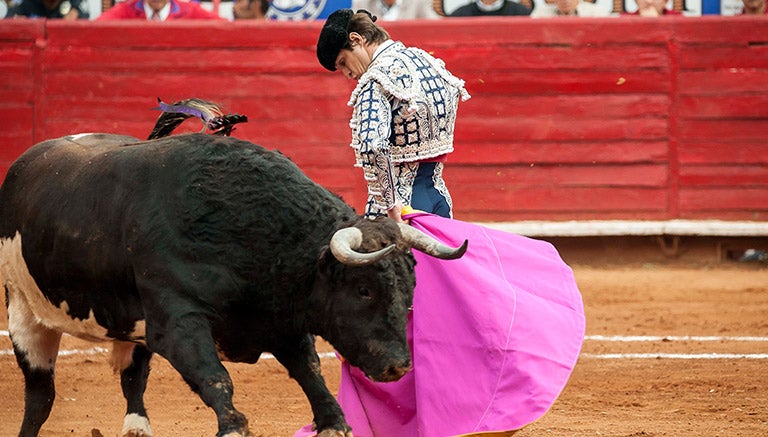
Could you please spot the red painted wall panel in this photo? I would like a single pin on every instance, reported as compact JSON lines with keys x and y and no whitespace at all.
{"x":612,"y":118}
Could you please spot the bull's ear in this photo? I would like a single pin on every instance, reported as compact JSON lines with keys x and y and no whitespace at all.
{"x":327,"y":264}
{"x":325,"y":258}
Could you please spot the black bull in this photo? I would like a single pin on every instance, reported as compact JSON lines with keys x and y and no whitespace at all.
{"x":198,"y":248}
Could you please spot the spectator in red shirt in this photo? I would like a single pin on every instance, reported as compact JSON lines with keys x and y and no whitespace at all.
{"x":653,"y":8}
{"x":754,"y":7}
{"x":157,"y":10}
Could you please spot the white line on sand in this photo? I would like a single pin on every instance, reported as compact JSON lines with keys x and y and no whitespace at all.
{"x":607,"y":356}
{"x":641,"y":338}
{"x":678,"y":356}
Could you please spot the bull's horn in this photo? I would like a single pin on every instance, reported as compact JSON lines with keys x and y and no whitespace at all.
{"x":345,"y":241}
{"x":424,"y":243}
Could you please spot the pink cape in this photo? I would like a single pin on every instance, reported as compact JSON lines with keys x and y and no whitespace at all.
{"x":494,"y":336}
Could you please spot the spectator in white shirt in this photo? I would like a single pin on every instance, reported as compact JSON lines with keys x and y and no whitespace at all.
{"x":569,"y":8}
{"x":390,"y":10}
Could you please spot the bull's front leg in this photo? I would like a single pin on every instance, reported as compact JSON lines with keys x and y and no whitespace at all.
{"x":303,"y":365}
{"x":188,"y":345}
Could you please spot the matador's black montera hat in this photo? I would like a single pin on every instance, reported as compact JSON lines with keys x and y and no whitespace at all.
{"x":333,"y":37}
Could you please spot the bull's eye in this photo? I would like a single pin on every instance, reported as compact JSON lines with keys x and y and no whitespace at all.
{"x":364,"y":293}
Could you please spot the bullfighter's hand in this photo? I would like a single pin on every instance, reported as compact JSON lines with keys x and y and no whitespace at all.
{"x":396,"y":213}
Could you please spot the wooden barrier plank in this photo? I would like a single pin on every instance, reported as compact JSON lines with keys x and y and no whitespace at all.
{"x":565,"y":82}
{"x":510,"y":177}
{"x":17,"y":85}
{"x":482,"y":31}
{"x":16,"y":55}
{"x":726,"y":198}
{"x":471,"y":129}
{"x":733,"y":130}
{"x":719,"y":175}
{"x":744,"y":55}
{"x":592,"y":105}
{"x":711,"y":152}
{"x":127,"y":83}
{"x":15,"y":145}
{"x":18,"y":115}
{"x":728,"y":215}
{"x":587,"y":152}
{"x":21,"y":31}
{"x":560,"y":199}
{"x":183,"y":33}
{"x":486,"y":216}
{"x":179,"y":59}
{"x":724,"y":106}
{"x":722,"y":81}
{"x":717,"y":30}
{"x":569,"y":58}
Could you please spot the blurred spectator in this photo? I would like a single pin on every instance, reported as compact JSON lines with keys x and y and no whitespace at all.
{"x":397,"y":9}
{"x":63,"y":9}
{"x":250,"y":9}
{"x":754,"y":7}
{"x":569,"y":8}
{"x":5,"y":5}
{"x":652,"y":8}
{"x":156,"y":10}
{"x":754,"y":255}
{"x":481,"y":8}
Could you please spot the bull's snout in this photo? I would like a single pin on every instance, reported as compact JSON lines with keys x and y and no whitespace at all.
{"x":394,"y":372}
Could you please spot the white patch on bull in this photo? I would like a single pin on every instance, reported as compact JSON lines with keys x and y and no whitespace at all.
{"x":76,"y":137}
{"x":34,"y":322}
{"x":122,"y":355}
{"x":59,"y":319}
{"x":38,"y":343}
{"x":135,"y":425}
{"x":233,"y":434}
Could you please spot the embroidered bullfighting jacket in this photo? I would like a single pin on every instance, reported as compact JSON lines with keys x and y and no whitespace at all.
{"x":404,"y":111}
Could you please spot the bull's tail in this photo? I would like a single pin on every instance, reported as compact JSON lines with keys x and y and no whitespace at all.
{"x":209,"y":113}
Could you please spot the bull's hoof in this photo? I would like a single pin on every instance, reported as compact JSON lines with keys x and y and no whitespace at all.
{"x":136,"y":434}
{"x":334,"y":433}
{"x":135,"y":425}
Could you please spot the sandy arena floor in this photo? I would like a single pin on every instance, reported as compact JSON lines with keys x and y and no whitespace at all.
{"x":639,"y":374}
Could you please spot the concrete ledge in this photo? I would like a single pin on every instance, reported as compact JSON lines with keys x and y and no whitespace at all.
{"x":595,"y":228}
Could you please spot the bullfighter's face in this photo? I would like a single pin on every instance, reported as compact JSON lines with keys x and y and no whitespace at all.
{"x":353,"y":62}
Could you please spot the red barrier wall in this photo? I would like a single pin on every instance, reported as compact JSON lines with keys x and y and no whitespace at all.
{"x":614,"y":118}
